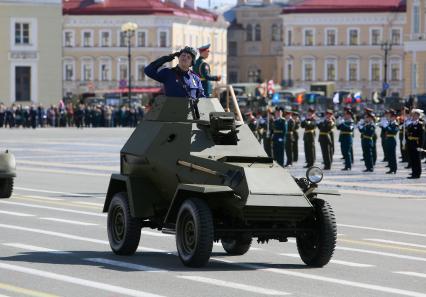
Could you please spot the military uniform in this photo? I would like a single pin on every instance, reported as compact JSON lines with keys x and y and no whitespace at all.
{"x":346,"y":140}
{"x":267,"y":136}
{"x":309,"y":125}
{"x":367,"y":144}
{"x":415,"y":141}
{"x":391,"y":132}
{"x":289,"y":142}
{"x":296,"y":139}
{"x":325,"y":129}
{"x":202,"y":69}
{"x":278,"y":139}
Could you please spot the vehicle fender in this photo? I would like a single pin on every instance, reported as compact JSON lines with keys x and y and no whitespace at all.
{"x":117,"y":183}
{"x":213,"y":194}
{"x":7,"y":165}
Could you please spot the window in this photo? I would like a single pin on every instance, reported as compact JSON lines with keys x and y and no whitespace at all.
{"x":276,"y":34}
{"x":122,"y":37}
{"x":249,"y":32}
{"x":87,"y":69}
{"x":331,"y":70}
{"x":309,"y":37}
{"x":141,"y":39}
{"x":416,"y":19}
{"x":68,"y":38}
{"x":105,"y":39}
{"x":232,"y":48}
{"x":68,"y":70}
{"x":394,"y":75}
{"x":163,"y":39}
{"x":87,"y":39}
{"x":22,"y":33}
{"x":289,"y":37}
{"x":414,"y":78}
{"x":254,"y":74}
{"x":105,"y":69}
{"x":308,"y":70}
{"x":331,"y":37}
{"x":257,"y":33}
{"x":353,"y":71}
{"x":233,"y":76}
{"x":376,"y":36}
{"x":375,"y":71}
{"x":122,"y":68}
{"x":396,"y":36}
{"x":289,"y":71}
{"x":353,"y":37}
{"x":141,"y":72}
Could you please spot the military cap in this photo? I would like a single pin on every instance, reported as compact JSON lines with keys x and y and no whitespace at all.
{"x":329,"y":111}
{"x":392,"y":112}
{"x":311,"y":109}
{"x":287,"y":109}
{"x":346,"y":108}
{"x":386,"y":111}
{"x":204,"y":47}
{"x":368,"y":110}
{"x":295,"y":112}
{"x":348,"y":111}
{"x":370,"y":115}
{"x":418,"y":111}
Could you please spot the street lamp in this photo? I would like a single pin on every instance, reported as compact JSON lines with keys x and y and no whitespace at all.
{"x":128,"y":30}
{"x":386,"y":46}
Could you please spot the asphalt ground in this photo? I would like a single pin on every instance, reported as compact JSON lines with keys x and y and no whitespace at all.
{"x":53,"y":239}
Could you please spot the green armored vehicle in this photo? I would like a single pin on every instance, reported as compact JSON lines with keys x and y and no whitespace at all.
{"x":200,"y":174}
{"x":7,"y":174}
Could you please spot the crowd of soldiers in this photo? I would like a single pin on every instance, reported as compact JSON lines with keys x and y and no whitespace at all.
{"x":69,"y":115}
{"x":278,"y":130}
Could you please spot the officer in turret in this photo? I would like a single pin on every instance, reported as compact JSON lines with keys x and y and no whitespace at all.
{"x":391,"y":132}
{"x":346,"y":127}
{"x":279,"y":136}
{"x":178,"y":81}
{"x":202,"y":69}
{"x":367,"y":129}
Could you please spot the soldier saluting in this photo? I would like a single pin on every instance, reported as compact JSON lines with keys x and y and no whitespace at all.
{"x":202,"y":69}
{"x":414,"y":141}
{"x":325,"y":129}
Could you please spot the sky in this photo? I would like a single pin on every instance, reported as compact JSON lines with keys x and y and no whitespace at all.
{"x":205,"y":3}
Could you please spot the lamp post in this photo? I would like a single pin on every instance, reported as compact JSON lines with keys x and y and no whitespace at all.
{"x":386,"y":46}
{"x":128,"y":30}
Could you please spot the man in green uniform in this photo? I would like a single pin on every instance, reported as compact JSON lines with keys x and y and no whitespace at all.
{"x":309,"y":124}
{"x":202,"y":69}
{"x":325,"y":128}
{"x":391,"y":133}
{"x":367,"y":129}
{"x":346,"y":127}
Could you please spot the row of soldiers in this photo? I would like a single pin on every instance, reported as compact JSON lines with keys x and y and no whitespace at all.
{"x":280,"y":137}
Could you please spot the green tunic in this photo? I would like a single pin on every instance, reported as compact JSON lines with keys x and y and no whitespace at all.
{"x":202,"y":69}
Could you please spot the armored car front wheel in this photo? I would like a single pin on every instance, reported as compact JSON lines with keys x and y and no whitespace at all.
{"x":194,"y":233}
{"x":124,"y":231}
{"x":6,"y":187}
{"x":237,"y":246}
{"x":316,"y":247}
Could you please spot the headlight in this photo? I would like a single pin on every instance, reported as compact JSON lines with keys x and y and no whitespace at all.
{"x":314,"y":174}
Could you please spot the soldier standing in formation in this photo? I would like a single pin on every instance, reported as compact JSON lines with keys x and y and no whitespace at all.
{"x":414,"y":141}
{"x":289,"y":142}
{"x":367,"y":129}
{"x":391,"y":132}
{"x":279,"y":136}
{"x":384,"y":121}
{"x":402,"y":141}
{"x":309,"y":125}
{"x":325,"y":129}
{"x":296,"y":136}
{"x":346,"y":127}
{"x":202,"y":69}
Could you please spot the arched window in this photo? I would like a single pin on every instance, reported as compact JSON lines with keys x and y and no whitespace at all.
{"x":249,"y":32}
{"x":257,"y":33}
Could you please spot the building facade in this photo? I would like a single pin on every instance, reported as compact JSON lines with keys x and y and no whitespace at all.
{"x":415,"y":48}
{"x":30,"y":51}
{"x":350,"y":43}
{"x":95,"y":50}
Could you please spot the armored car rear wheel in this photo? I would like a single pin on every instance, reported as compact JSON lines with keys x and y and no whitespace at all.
{"x":124,"y":231}
{"x":238,"y":246}
{"x":194,"y":233}
{"x":316,"y":247}
{"x":6,"y":187}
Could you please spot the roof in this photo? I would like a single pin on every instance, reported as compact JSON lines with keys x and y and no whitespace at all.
{"x":134,"y":7}
{"x":319,"y":6}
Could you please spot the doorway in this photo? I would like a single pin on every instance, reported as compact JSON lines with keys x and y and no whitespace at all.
{"x":23,"y":83}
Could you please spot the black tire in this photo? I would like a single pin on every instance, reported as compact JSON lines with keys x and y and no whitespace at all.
{"x":6,"y":187}
{"x":194,"y":233}
{"x":124,"y":231}
{"x":316,"y":248}
{"x":238,"y":246}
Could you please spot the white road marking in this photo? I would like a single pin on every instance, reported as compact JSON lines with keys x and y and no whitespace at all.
{"x":46,"y":164}
{"x":4,"y":295}
{"x":345,"y":263}
{"x":381,"y":253}
{"x":69,"y":222}
{"x":101,"y":205}
{"x":77,"y":281}
{"x":411,"y":273}
{"x":382,"y":230}
{"x":232,"y":285}
{"x":18,"y":214}
{"x":327,"y":279}
{"x":396,"y":242}
{"x":251,"y":248}
{"x":35,"y":248}
{"x":52,"y":192}
{"x":55,"y":208}
{"x":157,"y":234}
{"x":66,"y":172}
{"x":41,"y":197}
{"x":125,"y":265}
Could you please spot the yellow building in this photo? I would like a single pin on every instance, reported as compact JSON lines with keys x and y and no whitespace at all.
{"x":30,"y":51}
{"x":415,"y":48}
{"x":344,"y":42}
{"x":95,"y":56}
